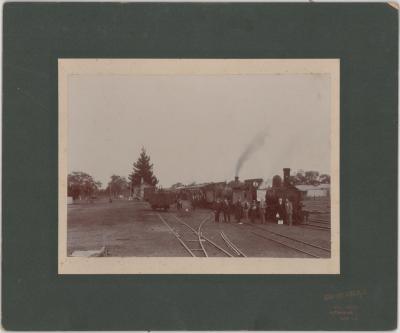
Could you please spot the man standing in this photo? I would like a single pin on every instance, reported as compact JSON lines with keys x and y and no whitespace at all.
{"x":226,"y":209}
{"x":194,"y":202}
{"x":253,"y":211}
{"x":289,"y":211}
{"x":262,"y":211}
{"x":246,"y":208}
{"x":238,"y":211}
{"x":280,"y":211}
{"x":217,"y":210}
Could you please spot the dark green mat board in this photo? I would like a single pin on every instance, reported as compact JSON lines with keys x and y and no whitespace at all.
{"x":365,"y":38}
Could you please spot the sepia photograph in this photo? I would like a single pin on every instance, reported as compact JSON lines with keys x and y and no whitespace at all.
{"x":199,"y":166}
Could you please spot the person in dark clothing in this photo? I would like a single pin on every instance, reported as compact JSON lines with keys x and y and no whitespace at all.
{"x":262,"y":211}
{"x":217,"y":209}
{"x":280,"y":211}
{"x":226,"y":207}
{"x":289,"y":211}
{"x":246,"y":208}
{"x":238,"y":211}
{"x":253,"y":211}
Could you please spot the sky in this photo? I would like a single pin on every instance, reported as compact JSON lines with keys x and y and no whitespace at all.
{"x":196,"y":127}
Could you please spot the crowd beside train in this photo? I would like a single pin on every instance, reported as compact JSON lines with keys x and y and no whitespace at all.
{"x":248,"y":211}
{"x":253,"y":211}
{"x":243,"y":203}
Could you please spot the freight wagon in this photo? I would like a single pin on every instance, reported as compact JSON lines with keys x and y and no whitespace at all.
{"x":161,"y":199}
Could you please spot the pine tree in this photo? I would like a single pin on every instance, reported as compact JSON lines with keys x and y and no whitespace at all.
{"x":143,"y":169}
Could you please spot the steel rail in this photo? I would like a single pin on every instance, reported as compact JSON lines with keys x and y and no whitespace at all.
{"x":218,"y":247}
{"x":307,"y":225}
{"x":228,"y":244}
{"x":199,"y":235}
{"x":184,"y":223}
{"x":288,"y":246}
{"x":324,"y":224}
{"x":237,"y":248}
{"x":233,"y":245}
{"x":205,"y":238}
{"x":318,"y":220}
{"x":294,"y":239}
{"x":177,"y":236}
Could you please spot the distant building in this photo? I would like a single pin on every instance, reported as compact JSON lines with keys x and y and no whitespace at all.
{"x":312,"y":191}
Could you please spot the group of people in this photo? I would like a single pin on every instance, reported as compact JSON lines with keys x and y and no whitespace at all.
{"x":284,"y":211}
{"x":253,"y":211}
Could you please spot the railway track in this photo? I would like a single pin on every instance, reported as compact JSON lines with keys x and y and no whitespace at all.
{"x":312,"y":250}
{"x":184,"y":241}
{"x":319,"y":220}
{"x":208,"y":240}
{"x":231,"y":245}
{"x":316,"y":225}
{"x":318,"y":217}
{"x":190,"y":244}
{"x":197,"y":244}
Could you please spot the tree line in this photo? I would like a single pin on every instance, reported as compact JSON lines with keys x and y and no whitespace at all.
{"x":82,"y":185}
{"x":310,"y":178}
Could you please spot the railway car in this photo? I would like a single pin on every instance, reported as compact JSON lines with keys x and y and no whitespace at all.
{"x":284,"y":190}
{"x":161,"y":199}
{"x":201,"y":195}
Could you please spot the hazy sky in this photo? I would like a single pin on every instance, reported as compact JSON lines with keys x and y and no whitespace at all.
{"x":196,"y":127}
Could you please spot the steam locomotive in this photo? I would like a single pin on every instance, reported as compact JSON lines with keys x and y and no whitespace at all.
{"x":284,"y":189}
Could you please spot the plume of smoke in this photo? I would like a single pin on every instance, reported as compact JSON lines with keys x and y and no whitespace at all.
{"x":254,"y":145}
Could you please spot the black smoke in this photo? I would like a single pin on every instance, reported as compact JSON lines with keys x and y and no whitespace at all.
{"x":255,"y":144}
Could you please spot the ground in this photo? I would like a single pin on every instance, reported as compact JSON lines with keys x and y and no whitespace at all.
{"x":131,"y":228}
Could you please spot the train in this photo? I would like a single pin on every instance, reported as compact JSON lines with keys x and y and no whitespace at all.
{"x":204,"y":195}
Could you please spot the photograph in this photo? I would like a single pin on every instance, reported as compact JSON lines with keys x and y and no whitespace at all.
{"x":199,"y":166}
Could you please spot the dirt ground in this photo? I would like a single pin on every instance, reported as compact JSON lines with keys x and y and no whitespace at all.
{"x":131,"y":228}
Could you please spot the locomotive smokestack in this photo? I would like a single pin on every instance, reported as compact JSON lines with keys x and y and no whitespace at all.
{"x":286,"y":176}
{"x":236,"y":179}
